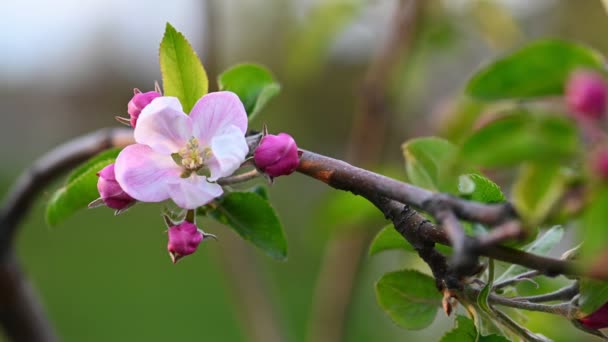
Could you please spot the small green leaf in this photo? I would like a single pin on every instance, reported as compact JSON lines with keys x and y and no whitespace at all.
{"x":537,"y":189}
{"x":482,"y":299}
{"x":426,"y":160}
{"x":465,"y":331}
{"x":538,"y":69}
{"x":409,"y":297}
{"x":254,"y":84}
{"x":540,"y":246}
{"x":519,"y":137}
{"x":389,"y":239}
{"x":478,"y":188}
{"x":183,"y":74}
{"x":594,"y":230}
{"x":252,"y":217}
{"x":594,"y":294}
{"x":80,"y":189}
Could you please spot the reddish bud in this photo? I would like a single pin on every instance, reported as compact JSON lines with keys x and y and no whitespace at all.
{"x":184,"y":239}
{"x":139,"y":102}
{"x":597,"y":320}
{"x":587,"y":94}
{"x":112,"y":195}
{"x":277,"y":155}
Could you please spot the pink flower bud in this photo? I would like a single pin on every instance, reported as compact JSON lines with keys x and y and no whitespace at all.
{"x":184,"y":239}
{"x":597,"y":320}
{"x":277,"y":155}
{"x":586,"y":94}
{"x":112,"y":195}
{"x":139,"y":102}
{"x":600,"y":163}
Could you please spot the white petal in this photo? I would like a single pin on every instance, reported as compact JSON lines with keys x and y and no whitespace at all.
{"x":144,"y":174}
{"x":163,"y":125}
{"x":215,"y":113}
{"x":229,"y":152}
{"x":193,"y":192}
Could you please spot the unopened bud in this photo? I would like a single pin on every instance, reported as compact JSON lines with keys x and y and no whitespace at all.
{"x":277,"y":155}
{"x":112,"y":195}
{"x":139,"y":102}
{"x":587,"y":94}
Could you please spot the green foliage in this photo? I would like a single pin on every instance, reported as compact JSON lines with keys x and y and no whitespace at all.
{"x":426,"y":162}
{"x":519,"y":137}
{"x":594,"y":226}
{"x":183,"y":74}
{"x":540,"y":246}
{"x":478,"y":188}
{"x":409,"y":297}
{"x":538,"y":69}
{"x":467,"y":332}
{"x":537,"y":190}
{"x":252,"y":217}
{"x":254,"y":84}
{"x":389,"y":239}
{"x":80,"y":188}
{"x":464,"y":331}
{"x":594,"y":294}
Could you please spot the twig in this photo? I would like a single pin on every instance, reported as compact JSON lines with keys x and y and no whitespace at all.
{"x":524,"y":276}
{"x":562,"y":309}
{"x":240,"y":178}
{"x":21,"y":315}
{"x":565,"y":293}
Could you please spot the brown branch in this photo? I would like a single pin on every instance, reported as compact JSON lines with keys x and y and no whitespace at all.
{"x":21,"y":315}
{"x":343,"y":176}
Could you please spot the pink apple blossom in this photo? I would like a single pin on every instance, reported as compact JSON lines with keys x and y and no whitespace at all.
{"x":180,"y":156}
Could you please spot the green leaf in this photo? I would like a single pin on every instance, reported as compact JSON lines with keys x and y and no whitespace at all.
{"x":465,"y":331}
{"x":540,"y":246}
{"x":80,"y":188}
{"x":594,"y":294}
{"x":254,"y":84}
{"x":409,"y":297}
{"x":426,"y":162}
{"x":252,"y":217}
{"x":537,"y":189}
{"x":389,"y":239}
{"x":482,"y":299}
{"x":595,"y":232}
{"x":478,"y":188}
{"x":183,"y":74}
{"x":519,"y":137}
{"x":538,"y":69}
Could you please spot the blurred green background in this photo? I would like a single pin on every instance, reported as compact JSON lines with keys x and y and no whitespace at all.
{"x":68,"y":67}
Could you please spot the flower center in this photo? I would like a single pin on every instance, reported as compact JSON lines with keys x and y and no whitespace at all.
{"x":192,"y":158}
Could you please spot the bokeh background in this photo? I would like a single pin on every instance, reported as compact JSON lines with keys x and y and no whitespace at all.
{"x":68,"y":67}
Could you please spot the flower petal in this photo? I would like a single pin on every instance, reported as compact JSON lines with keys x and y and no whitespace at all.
{"x":229,"y":152}
{"x":163,"y":125}
{"x":214,"y":113}
{"x":144,"y":174}
{"x":194,"y":191}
